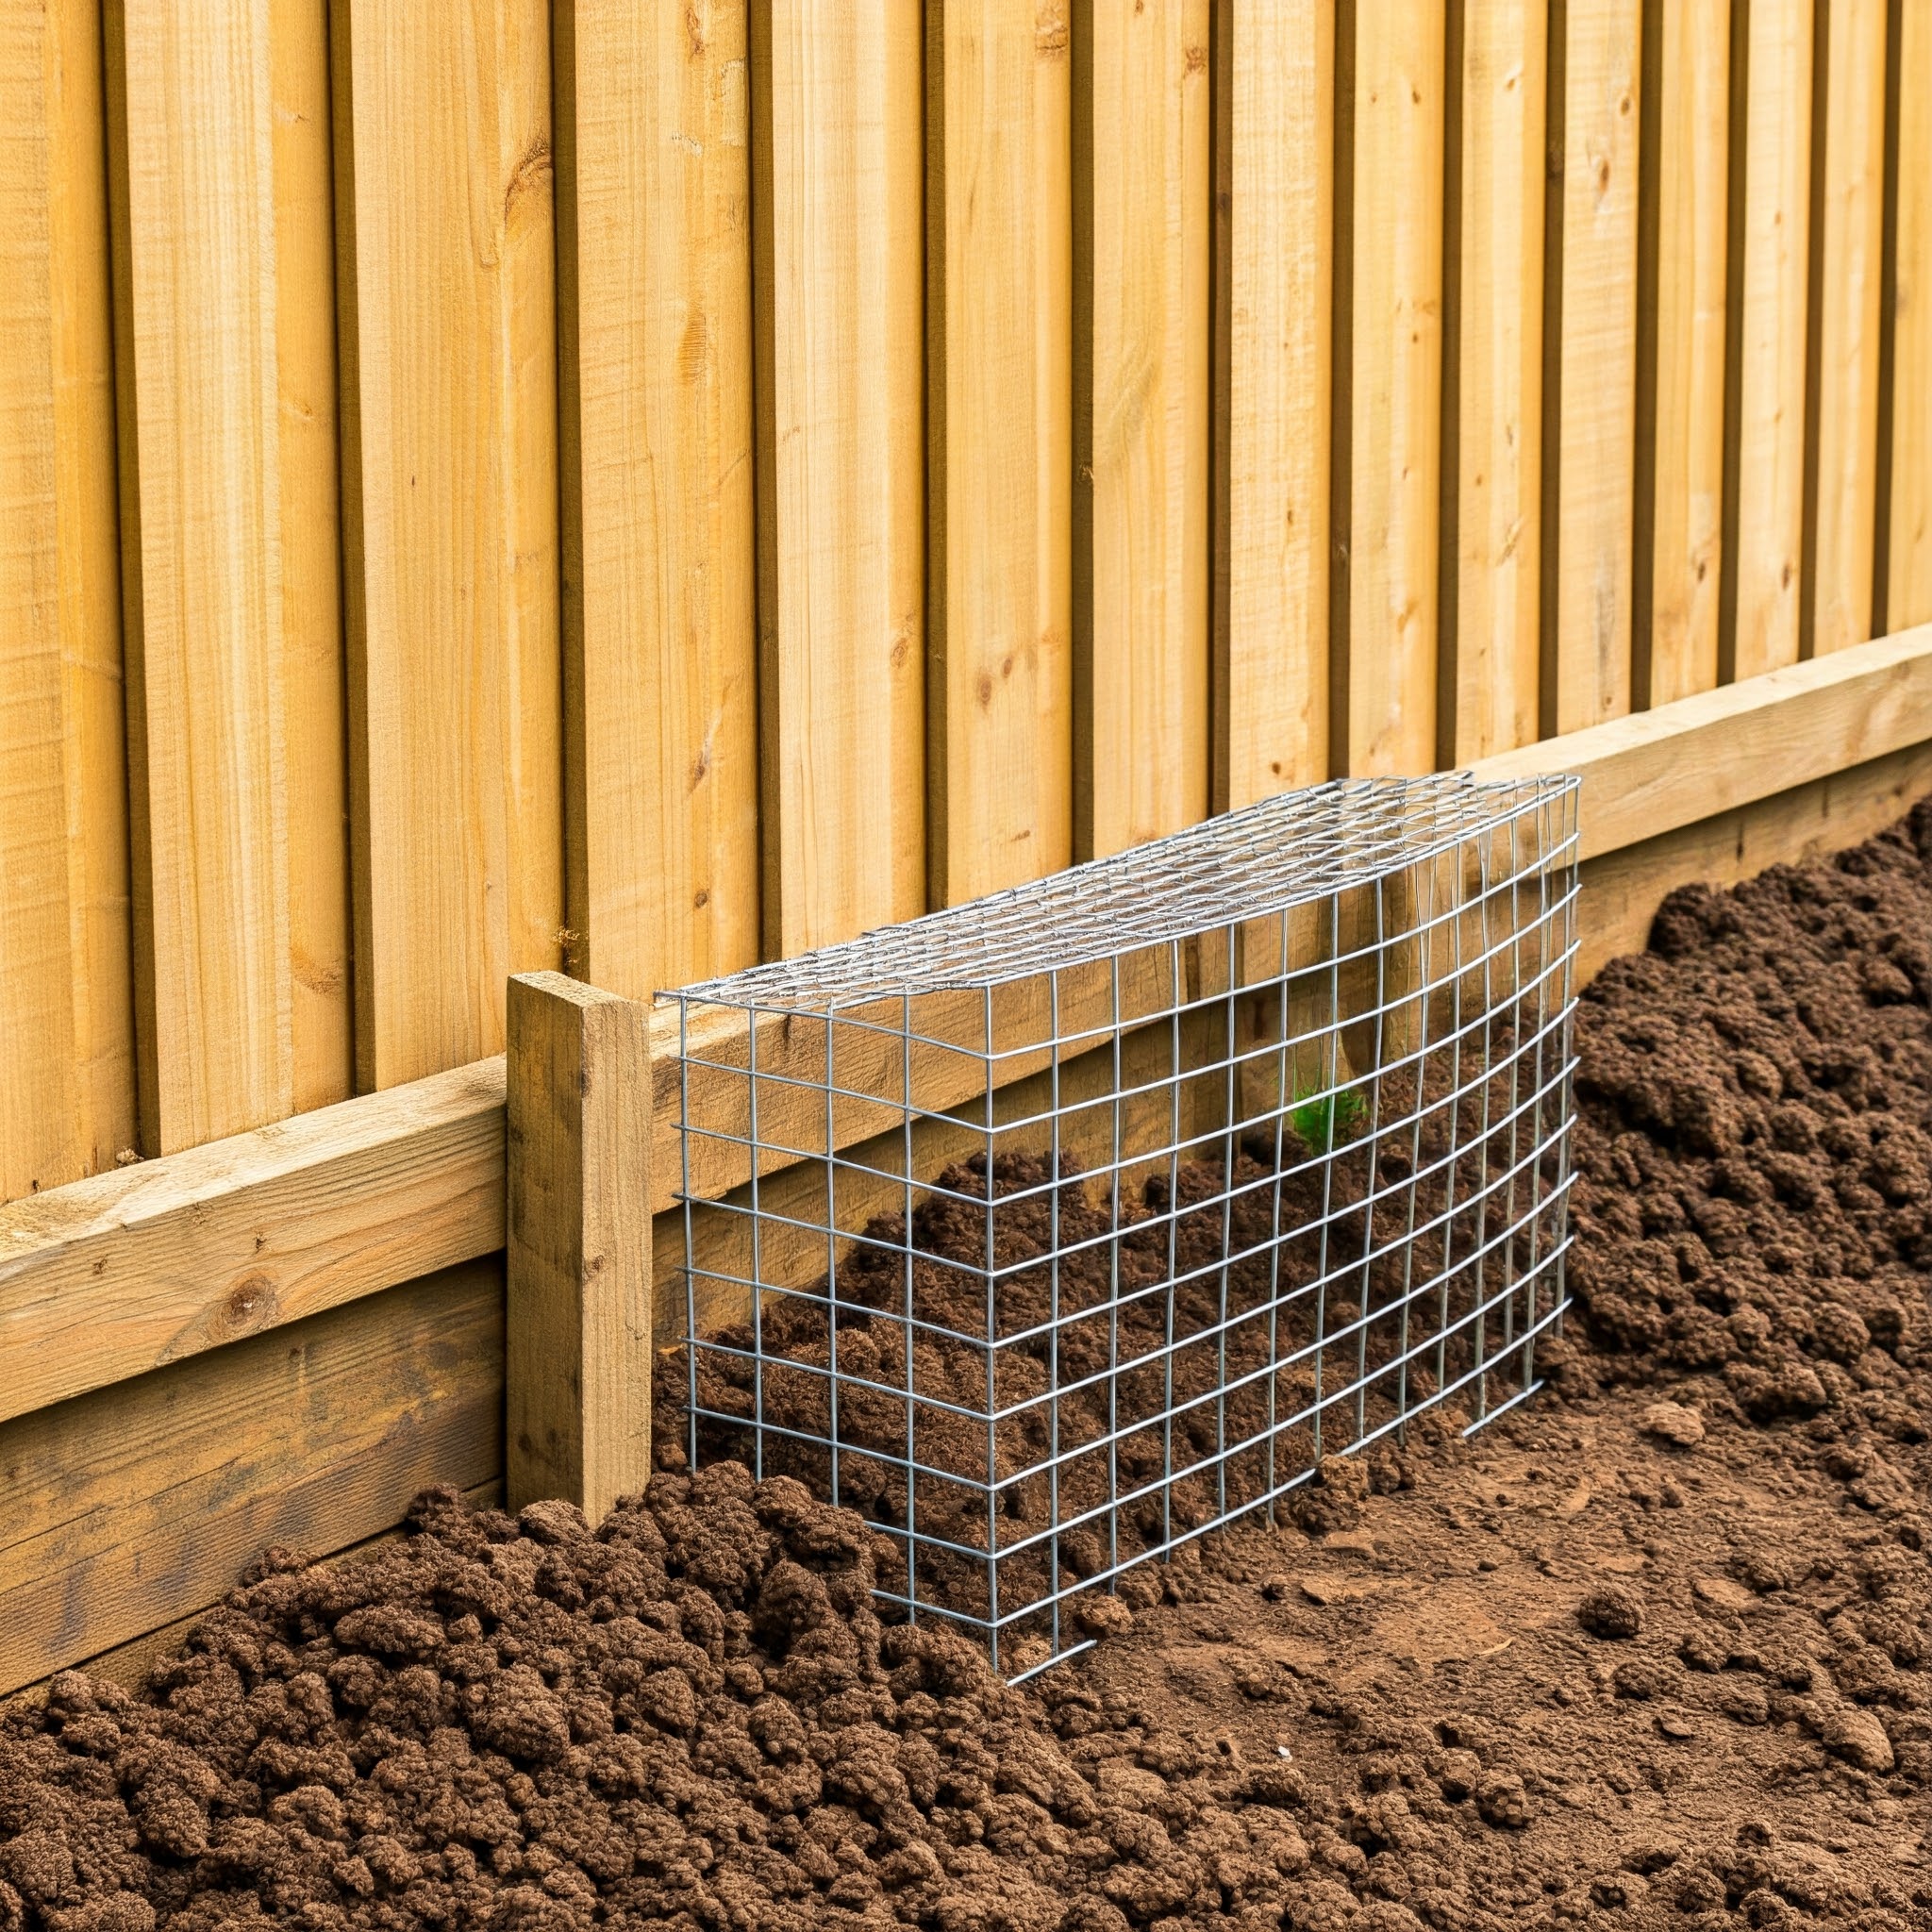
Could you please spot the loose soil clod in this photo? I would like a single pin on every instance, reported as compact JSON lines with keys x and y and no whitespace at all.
{"x":1600,"y":1665}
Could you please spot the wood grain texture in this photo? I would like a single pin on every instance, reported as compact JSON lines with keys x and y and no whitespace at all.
{"x":1590,"y":657}
{"x":1694,"y":128}
{"x":840,"y":543}
{"x":577,"y":1341}
{"x":655,"y":347}
{"x":1274,"y":200}
{"x":1396,"y":415}
{"x":1846,"y":489}
{"x":1623,"y":890}
{"x":1908,"y":588}
{"x":1142,"y":411}
{"x":142,"y":1503}
{"x":192,"y":174}
{"x":1499,"y":473}
{"x":445,"y":275}
{"x":999,"y":427}
{"x":110,"y":1278}
{"x":67,"y":1100}
{"x":309,"y":512}
{"x":1770,"y":454}
{"x":1723,"y":749}
{"x":128,"y":1664}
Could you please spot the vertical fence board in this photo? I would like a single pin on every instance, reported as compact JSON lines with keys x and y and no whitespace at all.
{"x":1908,"y":591}
{"x":1846,"y":489}
{"x":1596,"y":461}
{"x":445,"y":273}
{"x":653,"y":263}
{"x":1141,"y":410}
{"x":1769,"y":459}
{"x":67,"y":1100}
{"x":841,"y":674}
{"x":1498,"y":481}
{"x":1693,"y":122}
{"x":1396,"y":385}
{"x":1274,"y":138}
{"x":191,"y":130}
{"x":999,"y":279}
{"x":310,"y":527}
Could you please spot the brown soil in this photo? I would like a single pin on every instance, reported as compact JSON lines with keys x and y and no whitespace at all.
{"x":1651,"y":1650}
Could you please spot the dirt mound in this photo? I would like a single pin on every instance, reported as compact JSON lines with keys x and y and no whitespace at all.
{"x":1653,"y":1651}
{"x":689,"y":1717}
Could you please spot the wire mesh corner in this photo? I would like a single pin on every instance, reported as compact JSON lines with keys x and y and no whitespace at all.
{"x":1052,"y":1231}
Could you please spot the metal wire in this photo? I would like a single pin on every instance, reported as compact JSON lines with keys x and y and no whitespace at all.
{"x":1055,"y":1230}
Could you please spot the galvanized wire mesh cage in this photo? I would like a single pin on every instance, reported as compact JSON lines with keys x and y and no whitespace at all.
{"x":1054,"y":1229}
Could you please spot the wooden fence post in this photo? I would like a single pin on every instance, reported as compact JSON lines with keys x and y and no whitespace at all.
{"x":578,"y":1344}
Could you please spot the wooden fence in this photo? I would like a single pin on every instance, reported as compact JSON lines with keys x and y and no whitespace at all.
{"x":627,"y":487}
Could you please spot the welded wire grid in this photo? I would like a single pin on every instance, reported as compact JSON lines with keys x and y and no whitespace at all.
{"x":1052,"y":1231}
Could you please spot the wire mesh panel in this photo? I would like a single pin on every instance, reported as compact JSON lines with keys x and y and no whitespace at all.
{"x":1054,"y":1229}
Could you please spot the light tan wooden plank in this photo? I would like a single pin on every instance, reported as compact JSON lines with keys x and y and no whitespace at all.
{"x":1597,"y":446}
{"x":1623,"y":890}
{"x":1848,"y":318}
{"x":67,"y":1103}
{"x":1770,"y":457}
{"x":1396,"y":387}
{"x":445,"y":267}
{"x":128,"y":1664}
{"x":1276,"y":214}
{"x":1141,"y":424}
{"x":88,"y":535}
{"x":999,"y":427}
{"x":110,"y":1278}
{"x":1693,"y":126}
{"x":1499,"y":480}
{"x":1717,"y":750}
{"x":310,"y":524}
{"x":653,"y":285}
{"x":1908,"y":598}
{"x":190,"y":109}
{"x":838,"y":166}
{"x":143,"y":1502}
{"x":578,"y":1344}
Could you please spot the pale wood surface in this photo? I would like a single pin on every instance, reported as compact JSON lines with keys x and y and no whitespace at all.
{"x":67,"y":1100}
{"x":1499,"y":470}
{"x":134,"y":1505}
{"x":1847,"y":361}
{"x":112,"y":1276}
{"x":445,"y":265}
{"x":1908,"y":596}
{"x":308,"y":513}
{"x":577,"y":1341}
{"x":1142,"y":412}
{"x":1693,"y":126}
{"x":1770,"y":457}
{"x":1596,"y":439}
{"x":1621,"y":890}
{"x":999,"y":426}
{"x":654,"y":287}
{"x":841,"y":661}
{"x":1397,"y":419}
{"x":129,"y":1663}
{"x":1721,"y":749}
{"x":191,"y":125}
{"x":1274,"y":191}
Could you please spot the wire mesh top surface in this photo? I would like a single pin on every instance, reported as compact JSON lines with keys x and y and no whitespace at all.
{"x":1290,"y":850}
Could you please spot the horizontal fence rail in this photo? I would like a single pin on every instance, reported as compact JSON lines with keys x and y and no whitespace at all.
{"x":635,"y":490}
